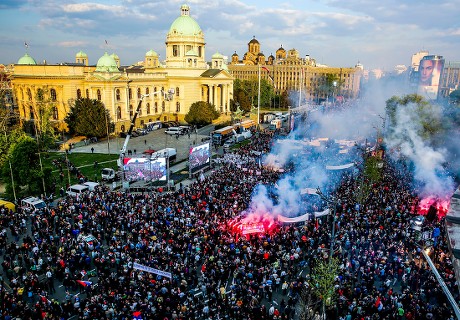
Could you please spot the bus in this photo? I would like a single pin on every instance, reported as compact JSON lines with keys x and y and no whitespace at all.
{"x":150,"y":126}
{"x":248,"y":124}
{"x":220,"y":136}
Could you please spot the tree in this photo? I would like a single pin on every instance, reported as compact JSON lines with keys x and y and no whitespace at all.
{"x":28,"y":176}
{"x":322,"y":281}
{"x":454,"y":97}
{"x":328,"y":85}
{"x":201,"y":113}
{"x":245,"y":93}
{"x":88,"y":117}
{"x":43,"y":112}
{"x":425,"y":117}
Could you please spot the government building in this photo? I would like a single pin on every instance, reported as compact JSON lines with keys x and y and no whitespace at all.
{"x":173,"y":85}
{"x":287,"y":71}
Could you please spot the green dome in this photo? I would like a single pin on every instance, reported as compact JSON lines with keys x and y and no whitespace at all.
{"x":107,"y":63}
{"x":81,"y":54}
{"x":217,"y":55}
{"x":151,"y":53}
{"x":185,"y":25}
{"x":114,"y":56}
{"x":26,"y":59}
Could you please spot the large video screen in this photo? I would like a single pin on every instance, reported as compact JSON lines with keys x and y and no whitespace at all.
{"x":144,"y":169}
{"x":199,"y":157}
{"x":430,"y":70}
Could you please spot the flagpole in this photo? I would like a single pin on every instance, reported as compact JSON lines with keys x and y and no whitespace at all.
{"x":258,"y":101}
{"x":300,"y":85}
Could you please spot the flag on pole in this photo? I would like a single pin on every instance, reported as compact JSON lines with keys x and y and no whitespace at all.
{"x":106,"y":42}
{"x":84,"y":283}
{"x":26,"y":45}
{"x":268,"y":70}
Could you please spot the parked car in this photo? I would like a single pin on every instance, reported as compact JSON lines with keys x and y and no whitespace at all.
{"x":174,"y":130}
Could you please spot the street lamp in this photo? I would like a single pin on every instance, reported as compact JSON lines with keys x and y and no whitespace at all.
{"x":107,"y":127}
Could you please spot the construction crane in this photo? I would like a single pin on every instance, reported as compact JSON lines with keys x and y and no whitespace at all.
{"x":166,"y":95}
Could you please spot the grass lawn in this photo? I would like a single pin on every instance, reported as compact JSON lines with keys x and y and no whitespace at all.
{"x":83,"y":161}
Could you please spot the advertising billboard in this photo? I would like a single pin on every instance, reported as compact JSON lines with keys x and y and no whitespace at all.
{"x":144,"y":169}
{"x":199,"y":157}
{"x":430,"y":70}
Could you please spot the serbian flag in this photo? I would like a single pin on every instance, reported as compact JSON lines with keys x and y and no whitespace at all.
{"x":84,"y":283}
{"x":45,"y":299}
{"x":377,"y":302}
{"x":268,"y":70}
{"x":137,"y":315}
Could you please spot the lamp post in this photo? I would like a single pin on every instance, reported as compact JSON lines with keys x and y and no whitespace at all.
{"x":332,"y":204}
{"x":107,"y":127}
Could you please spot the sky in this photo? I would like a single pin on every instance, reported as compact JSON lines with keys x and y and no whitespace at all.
{"x":338,"y":33}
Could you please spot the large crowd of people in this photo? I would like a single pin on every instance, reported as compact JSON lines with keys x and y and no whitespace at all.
{"x":81,"y":257}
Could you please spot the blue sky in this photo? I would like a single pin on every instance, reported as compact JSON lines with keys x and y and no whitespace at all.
{"x":379,"y":34}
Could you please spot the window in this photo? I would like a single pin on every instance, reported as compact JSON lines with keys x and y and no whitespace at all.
{"x":163,"y":106}
{"x":131,"y":113}
{"x":199,"y":51}
{"x":99,"y":97}
{"x":130,"y":93}
{"x":118,"y":112}
{"x":177,"y":106}
{"x":78,"y":94}
{"x":156,"y":107}
{"x":29,"y":94}
{"x":53,"y":95}
{"x":40,"y":95}
{"x":117,"y":93}
{"x":122,"y":128}
{"x":177,"y":91}
{"x":176,"y":51}
{"x":87,"y":93}
{"x":148,"y":108}
{"x":154,"y":89}
{"x":55,"y":113}
{"x":138,"y":93}
{"x":147,"y":90}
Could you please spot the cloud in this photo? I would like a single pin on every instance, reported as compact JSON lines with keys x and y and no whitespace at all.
{"x":72,"y":44}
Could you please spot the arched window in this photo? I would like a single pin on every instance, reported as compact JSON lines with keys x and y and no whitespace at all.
{"x":118,"y":112}
{"x":138,"y":93}
{"x":31,"y":112}
{"x":130,"y":93}
{"x":177,"y":106}
{"x":122,"y":128}
{"x":78,"y":94}
{"x":148,"y":108}
{"x":147,"y":90}
{"x":53,"y":95}
{"x":99,"y":97}
{"x":163,"y":106}
{"x":131,"y":113}
{"x":117,"y":93}
{"x":177,"y":91}
{"x":29,"y":94}
{"x":87,"y":93}
{"x":40,"y":95}
{"x":156,"y":107}
{"x":55,"y":113}
{"x":154,"y":89}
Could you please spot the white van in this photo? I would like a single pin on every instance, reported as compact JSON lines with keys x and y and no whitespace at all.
{"x":77,"y":189}
{"x":173,"y":131}
{"x":33,"y":203}
{"x":91,"y":185}
{"x":171,"y":153}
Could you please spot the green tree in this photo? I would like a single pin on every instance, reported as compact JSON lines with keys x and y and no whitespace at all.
{"x":201,"y":113}
{"x":424,"y":115}
{"x":27,"y":174}
{"x":328,"y":85}
{"x":322,"y":281}
{"x":43,"y":112}
{"x":454,"y":97}
{"x":88,"y":117}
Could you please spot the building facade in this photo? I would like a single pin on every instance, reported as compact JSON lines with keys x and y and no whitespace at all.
{"x":290,"y":72}
{"x":172,"y":86}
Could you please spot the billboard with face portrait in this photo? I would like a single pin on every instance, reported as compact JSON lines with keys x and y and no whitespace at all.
{"x":199,"y":157}
{"x":430,"y":70}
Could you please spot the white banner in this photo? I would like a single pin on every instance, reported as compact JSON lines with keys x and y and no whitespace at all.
{"x":302,"y":218}
{"x":309,"y":191}
{"x":344,"y":166}
{"x":151,"y":270}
